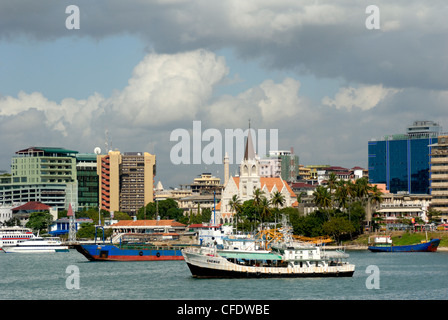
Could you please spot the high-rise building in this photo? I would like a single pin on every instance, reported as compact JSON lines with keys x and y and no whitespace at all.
{"x":126,"y":180}
{"x":44,"y":164}
{"x":401,"y":161}
{"x":439,"y":176}
{"x":43,"y":174}
{"x":87,"y":180}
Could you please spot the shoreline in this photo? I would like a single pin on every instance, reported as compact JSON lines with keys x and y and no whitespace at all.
{"x":361,"y":248}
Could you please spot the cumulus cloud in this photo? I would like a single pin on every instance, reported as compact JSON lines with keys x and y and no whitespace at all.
{"x":364,"y":97}
{"x":269,"y":103}
{"x":166,"y":88}
{"x":163,"y":89}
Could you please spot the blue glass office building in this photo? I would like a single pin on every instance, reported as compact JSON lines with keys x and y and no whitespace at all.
{"x":402,"y":161}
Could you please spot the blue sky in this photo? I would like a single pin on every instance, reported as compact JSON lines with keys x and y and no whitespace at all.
{"x":141,"y":69}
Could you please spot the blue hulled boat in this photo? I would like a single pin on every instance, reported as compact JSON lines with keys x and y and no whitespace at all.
{"x":384,"y":244}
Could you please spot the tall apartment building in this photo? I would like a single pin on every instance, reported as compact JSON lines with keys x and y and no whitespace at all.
{"x":401,"y":161}
{"x":126,"y":180}
{"x":87,"y":178}
{"x":439,"y":176}
{"x":43,"y":174}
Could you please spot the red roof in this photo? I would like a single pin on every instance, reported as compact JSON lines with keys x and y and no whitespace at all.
{"x":32,"y":205}
{"x":201,"y":225}
{"x":302,"y":185}
{"x":70,"y":211}
{"x":147,"y":223}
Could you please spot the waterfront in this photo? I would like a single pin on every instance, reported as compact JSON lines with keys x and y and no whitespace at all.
{"x":403,"y":276}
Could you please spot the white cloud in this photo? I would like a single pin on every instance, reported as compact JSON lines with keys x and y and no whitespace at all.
{"x":268,"y":103}
{"x":166,"y":88}
{"x":364,"y":97}
{"x":163,"y":88}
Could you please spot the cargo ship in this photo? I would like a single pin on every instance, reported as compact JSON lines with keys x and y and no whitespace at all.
{"x":131,"y":248}
{"x":384,"y":244}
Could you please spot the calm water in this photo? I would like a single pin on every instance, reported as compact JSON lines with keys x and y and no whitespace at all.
{"x":403,"y":276}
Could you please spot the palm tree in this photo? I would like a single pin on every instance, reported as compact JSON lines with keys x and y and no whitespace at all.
{"x":375,"y":196}
{"x":258,"y":195}
{"x":278,"y":199}
{"x":299,"y":196}
{"x":342,"y":194}
{"x":235,"y":206}
{"x":265,"y":210}
{"x":322,"y":198}
{"x":362,"y":188}
{"x":332,"y":180}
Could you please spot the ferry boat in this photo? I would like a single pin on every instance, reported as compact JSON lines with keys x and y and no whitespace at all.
{"x":132,"y":247}
{"x":384,"y":244}
{"x":14,"y":235}
{"x":283,"y":259}
{"x":37,"y":245}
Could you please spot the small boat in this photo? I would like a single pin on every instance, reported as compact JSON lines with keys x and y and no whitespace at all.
{"x":36,"y":245}
{"x":132,"y":247}
{"x":384,"y":244}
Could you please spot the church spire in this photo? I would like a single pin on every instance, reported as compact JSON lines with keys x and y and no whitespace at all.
{"x":249,"y":152}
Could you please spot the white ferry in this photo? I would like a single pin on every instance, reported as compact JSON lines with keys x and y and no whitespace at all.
{"x":37,"y":245}
{"x":14,"y":235}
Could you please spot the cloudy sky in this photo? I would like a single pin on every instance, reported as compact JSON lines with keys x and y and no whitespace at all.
{"x":140,"y":69}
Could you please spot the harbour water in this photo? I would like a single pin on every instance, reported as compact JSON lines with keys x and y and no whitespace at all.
{"x":69,"y":276}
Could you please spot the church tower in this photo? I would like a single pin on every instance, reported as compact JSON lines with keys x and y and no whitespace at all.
{"x":249,"y":168}
{"x":226,"y":169}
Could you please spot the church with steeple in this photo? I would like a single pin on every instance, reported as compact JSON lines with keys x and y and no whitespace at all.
{"x":247,"y":181}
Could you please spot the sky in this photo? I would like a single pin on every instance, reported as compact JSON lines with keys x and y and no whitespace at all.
{"x":136,"y":71}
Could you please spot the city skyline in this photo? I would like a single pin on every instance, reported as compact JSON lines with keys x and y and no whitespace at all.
{"x":313,"y":71}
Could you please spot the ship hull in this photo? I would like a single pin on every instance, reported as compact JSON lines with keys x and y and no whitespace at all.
{"x":430,"y":246}
{"x":34,"y":250}
{"x":114,"y":253}
{"x":205,"y":273}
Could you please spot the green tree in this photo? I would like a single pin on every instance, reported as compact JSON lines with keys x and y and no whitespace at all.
{"x":87,"y":231}
{"x":323,"y":199}
{"x":337,"y":227}
{"x":278,"y":199}
{"x":39,"y":221}
{"x":161,"y":208}
{"x":235,"y":206}
{"x":118,"y":215}
{"x":264,"y":209}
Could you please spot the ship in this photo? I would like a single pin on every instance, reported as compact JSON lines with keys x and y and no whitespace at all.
{"x":36,"y":245}
{"x":287,"y":258}
{"x":282,"y":261}
{"x":132,"y":247}
{"x":384,"y":244}
{"x":14,"y":235}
